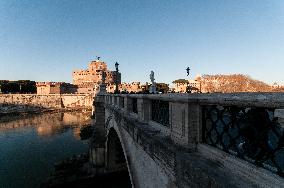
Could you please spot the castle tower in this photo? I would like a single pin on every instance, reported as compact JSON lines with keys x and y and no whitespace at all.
{"x":92,"y":77}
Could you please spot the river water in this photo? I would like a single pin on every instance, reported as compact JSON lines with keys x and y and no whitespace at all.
{"x":30,"y":146}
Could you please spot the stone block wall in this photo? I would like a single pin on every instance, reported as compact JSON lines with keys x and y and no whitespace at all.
{"x":9,"y":102}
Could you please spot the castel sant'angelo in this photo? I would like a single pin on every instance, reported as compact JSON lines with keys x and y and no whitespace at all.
{"x":89,"y":79}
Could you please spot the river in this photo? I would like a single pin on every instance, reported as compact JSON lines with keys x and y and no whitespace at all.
{"x":30,"y":146}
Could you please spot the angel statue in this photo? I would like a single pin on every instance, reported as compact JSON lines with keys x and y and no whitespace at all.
{"x":103,"y":77}
{"x":152,"y":78}
{"x":153,"y":85}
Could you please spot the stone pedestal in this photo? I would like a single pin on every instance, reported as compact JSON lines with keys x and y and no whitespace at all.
{"x":97,"y":153}
{"x":102,"y":88}
{"x":153,"y":89}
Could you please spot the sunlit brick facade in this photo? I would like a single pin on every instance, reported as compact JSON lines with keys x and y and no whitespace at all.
{"x":94,"y":74}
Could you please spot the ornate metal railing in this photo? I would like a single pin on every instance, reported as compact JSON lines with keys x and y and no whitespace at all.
{"x":134,"y":105}
{"x":252,"y":134}
{"x":160,"y":112}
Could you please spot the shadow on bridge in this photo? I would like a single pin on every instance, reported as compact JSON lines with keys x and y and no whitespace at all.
{"x":112,"y":165}
{"x":116,"y":160}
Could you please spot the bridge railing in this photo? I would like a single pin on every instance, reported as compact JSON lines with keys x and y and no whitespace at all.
{"x":251,"y":133}
{"x":245,"y":125}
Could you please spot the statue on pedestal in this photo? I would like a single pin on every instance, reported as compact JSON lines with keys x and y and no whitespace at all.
{"x":103,"y":77}
{"x":153,"y":86}
{"x":102,"y":86}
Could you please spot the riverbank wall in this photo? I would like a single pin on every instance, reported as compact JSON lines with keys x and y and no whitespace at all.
{"x":26,"y":102}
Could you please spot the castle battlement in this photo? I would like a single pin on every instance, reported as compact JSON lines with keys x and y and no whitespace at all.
{"x":94,"y":74}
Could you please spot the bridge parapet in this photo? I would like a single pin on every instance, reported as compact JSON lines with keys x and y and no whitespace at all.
{"x":237,"y":135}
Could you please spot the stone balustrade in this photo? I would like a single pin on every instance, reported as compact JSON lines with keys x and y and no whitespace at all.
{"x":244,"y":130}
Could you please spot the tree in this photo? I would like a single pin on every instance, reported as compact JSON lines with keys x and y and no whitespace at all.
{"x":162,"y":87}
{"x":232,"y":83}
{"x":21,"y":86}
{"x":183,"y":81}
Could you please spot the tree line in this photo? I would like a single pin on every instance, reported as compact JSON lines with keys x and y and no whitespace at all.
{"x":20,"y":86}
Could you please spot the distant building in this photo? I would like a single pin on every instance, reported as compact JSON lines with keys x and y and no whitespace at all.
{"x":133,"y":87}
{"x":136,"y":87}
{"x":89,"y":88}
{"x":46,"y":88}
{"x":84,"y":81}
{"x":88,"y":80}
{"x":183,"y":85}
{"x":180,"y":87}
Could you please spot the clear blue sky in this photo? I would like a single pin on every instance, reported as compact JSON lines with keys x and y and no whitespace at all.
{"x":47,"y":39}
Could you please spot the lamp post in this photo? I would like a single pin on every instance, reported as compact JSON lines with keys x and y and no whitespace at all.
{"x":116,"y":77}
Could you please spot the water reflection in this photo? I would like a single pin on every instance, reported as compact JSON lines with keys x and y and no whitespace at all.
{"x":30,"y":146}
{"x":50,"y":124}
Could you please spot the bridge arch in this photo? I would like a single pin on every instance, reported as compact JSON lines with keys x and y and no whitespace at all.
{"x":116,"y":156}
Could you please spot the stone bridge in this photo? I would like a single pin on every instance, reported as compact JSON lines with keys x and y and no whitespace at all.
{"x":191,"y":140}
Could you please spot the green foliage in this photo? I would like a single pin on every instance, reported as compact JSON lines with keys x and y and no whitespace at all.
{"x":183,"y":81}
{"x":162,"y":87}
{"x":21,"y":86}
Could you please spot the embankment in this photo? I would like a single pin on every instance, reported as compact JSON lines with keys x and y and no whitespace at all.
{"x":18,"y":103}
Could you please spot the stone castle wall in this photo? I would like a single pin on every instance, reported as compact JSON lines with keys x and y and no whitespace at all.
{"x":55,"y":101}
{"x":94,"y":74}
